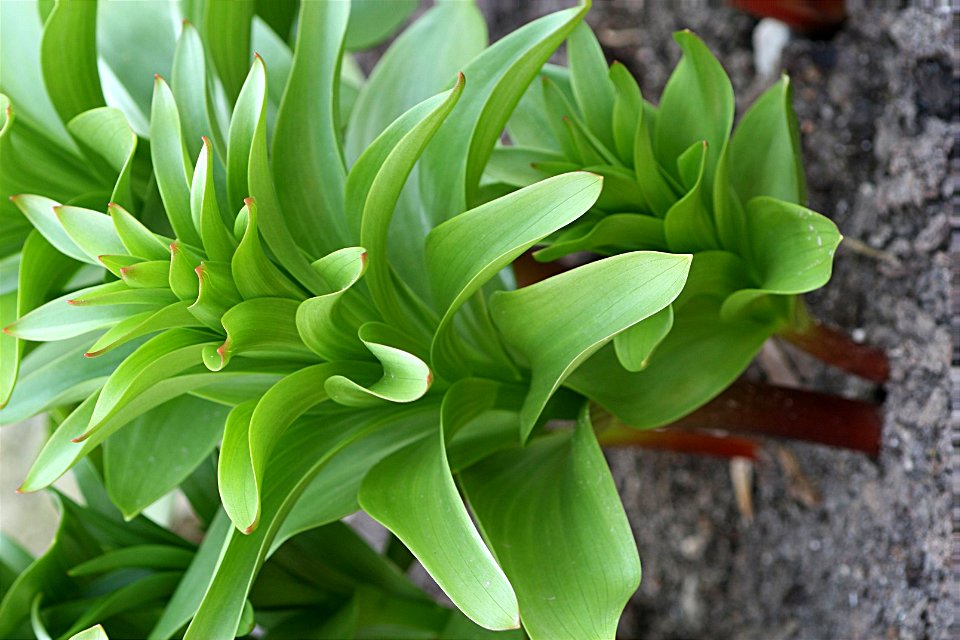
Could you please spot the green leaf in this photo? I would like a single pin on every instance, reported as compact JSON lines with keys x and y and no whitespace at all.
{"x":792,"y":250}
{"x":592,"y":88}
{"x":68,"y":57}
{"x":92,"y":231}
{"x":765,"y":153}
{"x":654,"y":182}
{"x":468,"y":250}
{"x":226,"y":32}
{"x":56,"y":373}
{"x":154,"y":453}
{"x":136,"y":237}
{"x":71,"y":545}
{"x":119,"y":293}
{"x":148,"y":556}
{"x":325,"y":322}
{"x":697,"y":104}
{"x":61,"y":452}
{"x":558,"y":323}
{"x":373,"y":21}
{"x":451,"y":169}
{"x":151,"y":588}
{"x":252,"y":431}
{"x":688,"y":225}
{"x":635,"y":345}
{"x":60,"y":319}
{"x":518,"y":166}
{"x":171,"y":166}
{"x":247,"y":113}
{"x":95,"y":632}
{"x":40,"y":212}
{"x":105,"y":132}
{"x":134,"y":42}
{"x":406,"y":377}
{"x":620,"y":192}
{"x":188,"y":594}
{"x":9,"y":348}
{"x":386,"y":181}
{"x":552,"y":515}
{"x":437,"y":45}
{"x":152,"y":274}
{"x":21,"y":75}
{"x":261,"y":186}
{"x":42,"y":271}
{"x":158,"y":359}
{"x":413,"y":494}
{"x":218,"y":241}
{"x":256,"y":276}
{"x":675,"y":382}
{"x":184,"y":281}
{"x":307,"y":150}
{"x":217,"y":294}
{"x":627,"y":111}
{"x":264,"y":326}
{"x":611,"y":234}
{"x":189,"y":85}
{"x":338,"y":451}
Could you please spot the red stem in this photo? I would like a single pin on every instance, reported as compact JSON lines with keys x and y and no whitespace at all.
{"x":811,"y":416}
{"x":809,"y":16}
{"x":681,"y":441}
{"x":838,"y":349}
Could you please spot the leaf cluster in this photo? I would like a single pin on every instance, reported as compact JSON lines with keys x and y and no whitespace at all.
{"x":247,"y":272}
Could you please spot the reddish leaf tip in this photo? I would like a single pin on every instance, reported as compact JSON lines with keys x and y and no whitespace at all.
{"x":19,"y":490}
{"x":429,"y":378}
{"x":157,"y":77}
{"x":249,"y":201}
{"x":14,"y":198}
{"x":6,"y":330}
{"x":257,"y":56}
{"x":75,"y":302}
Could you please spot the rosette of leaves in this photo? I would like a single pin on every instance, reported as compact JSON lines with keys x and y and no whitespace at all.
{"x":675,"y":179}
{"x":332,"y":309}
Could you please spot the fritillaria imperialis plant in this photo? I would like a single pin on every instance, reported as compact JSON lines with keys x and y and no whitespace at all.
{"x":675,"y":179}
{"x":284,"y":289}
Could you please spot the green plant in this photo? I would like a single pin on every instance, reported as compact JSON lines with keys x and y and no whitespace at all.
{"x":298,"y":304}
{"x":289,"y":332}
{"x":676,"y":180}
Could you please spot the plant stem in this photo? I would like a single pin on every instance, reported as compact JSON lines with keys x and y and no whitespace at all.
{"x":838,"y":349}
{"x":680,"y":440}
{"x":811,"y":416}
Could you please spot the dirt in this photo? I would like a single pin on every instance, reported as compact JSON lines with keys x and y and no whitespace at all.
{"x":840,"y":546}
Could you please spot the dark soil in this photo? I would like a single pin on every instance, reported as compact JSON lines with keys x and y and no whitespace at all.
{"x":839,"y":546}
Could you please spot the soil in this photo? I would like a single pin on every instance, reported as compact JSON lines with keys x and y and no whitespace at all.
{"x":839,"y":546}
